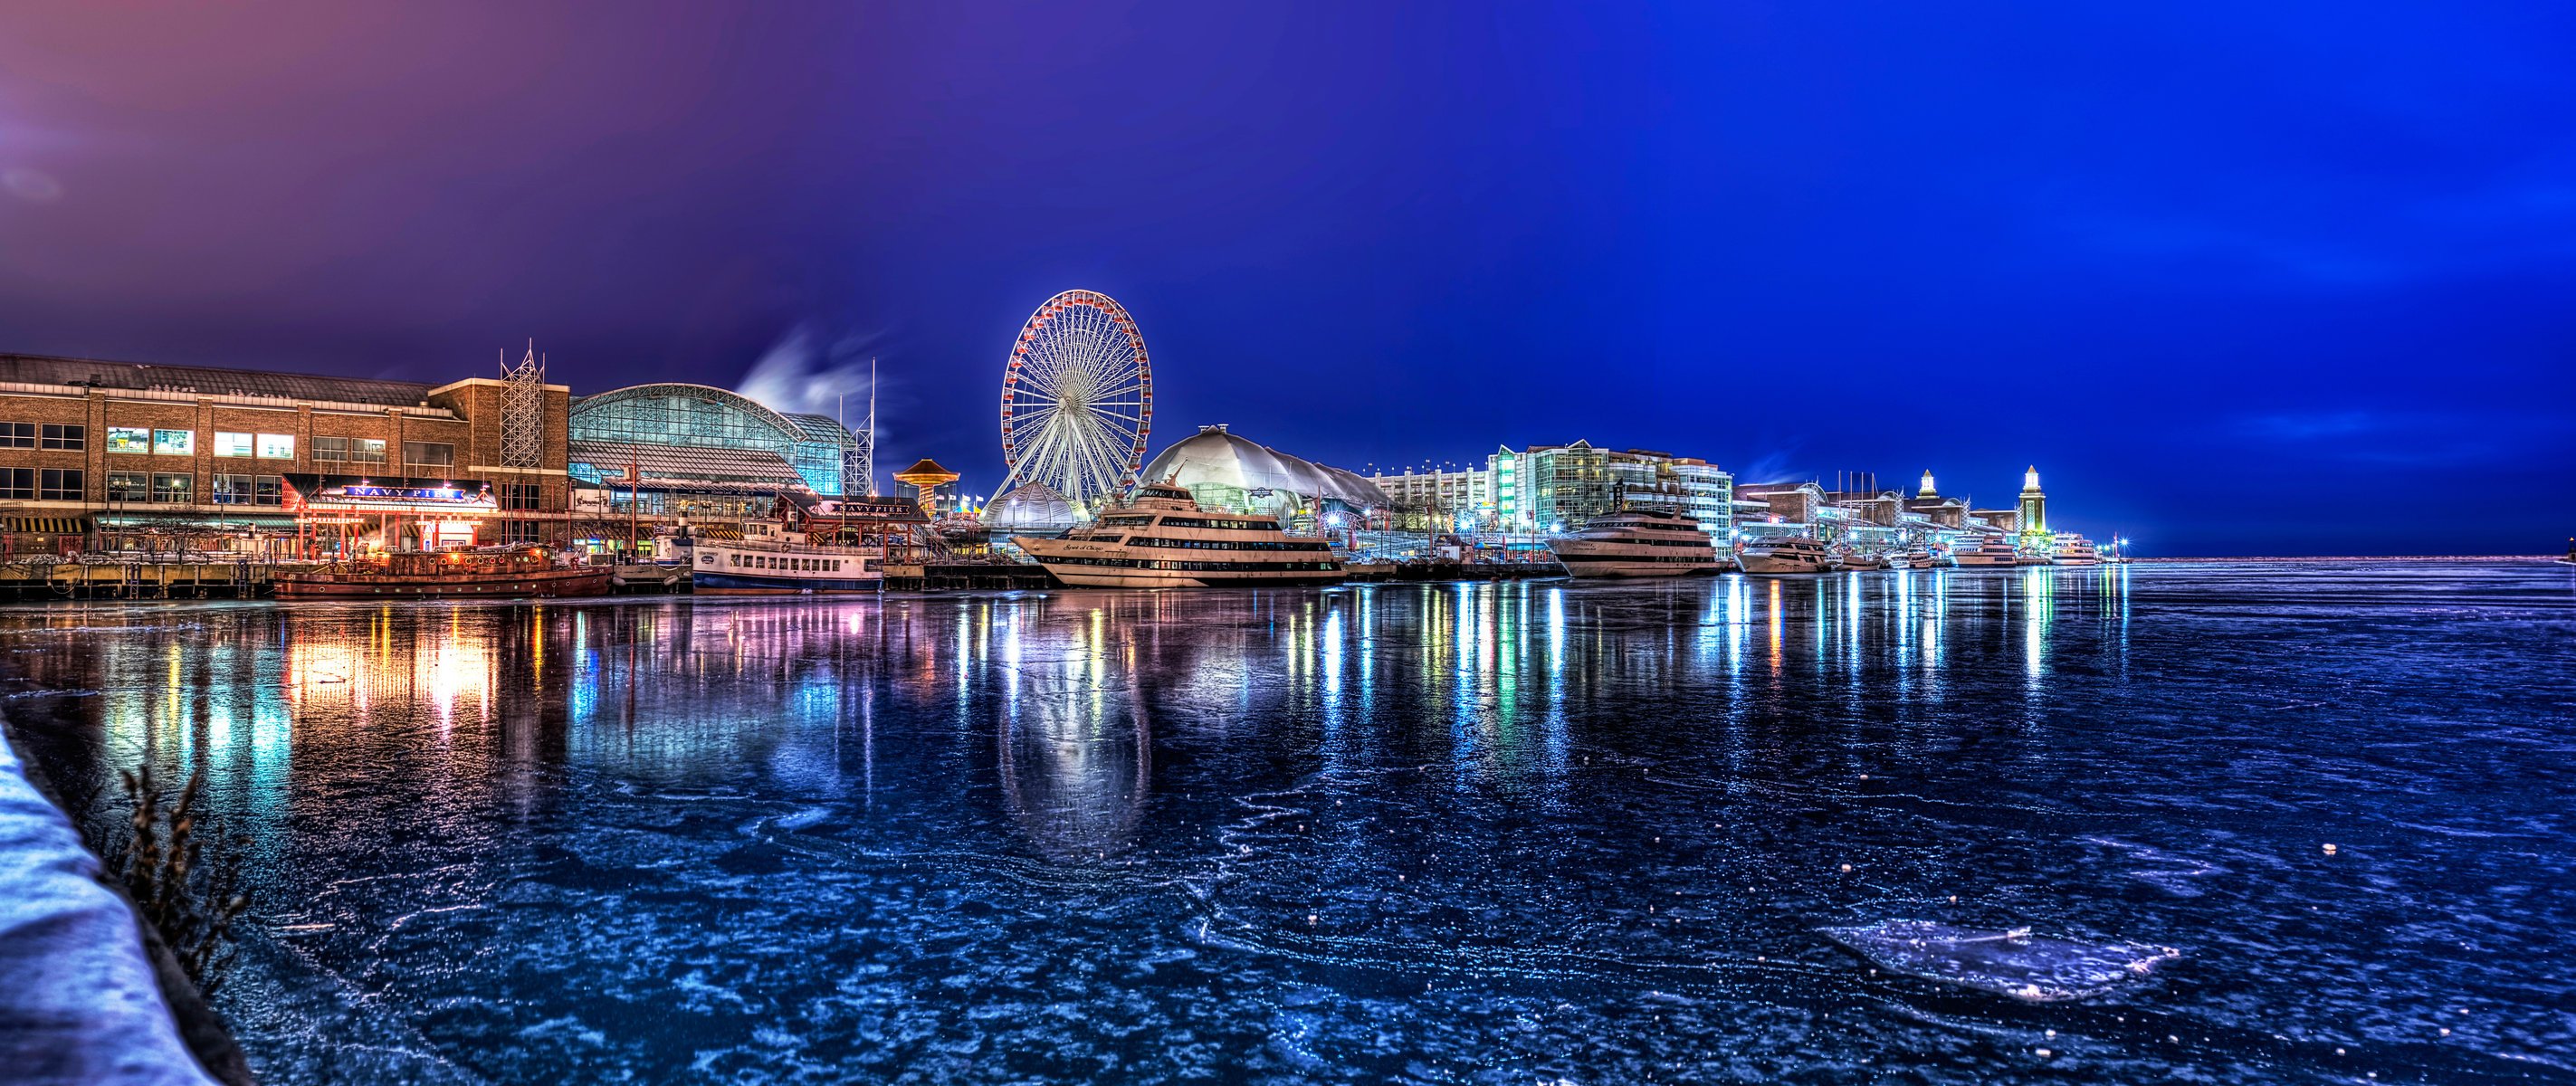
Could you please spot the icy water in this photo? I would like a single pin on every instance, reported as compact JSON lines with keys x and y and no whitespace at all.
{"x":1483,"y":833}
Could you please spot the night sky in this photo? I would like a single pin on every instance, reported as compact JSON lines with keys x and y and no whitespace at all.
{"x":2240,"y":279}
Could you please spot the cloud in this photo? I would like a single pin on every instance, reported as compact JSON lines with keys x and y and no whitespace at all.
{"x":800,"y":373}
{"x":32,"y":185}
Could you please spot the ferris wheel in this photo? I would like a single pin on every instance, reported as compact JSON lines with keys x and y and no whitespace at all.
{"x":1077,"y":400}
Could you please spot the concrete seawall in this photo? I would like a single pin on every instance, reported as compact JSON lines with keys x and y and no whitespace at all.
{"x":80,"y":1000}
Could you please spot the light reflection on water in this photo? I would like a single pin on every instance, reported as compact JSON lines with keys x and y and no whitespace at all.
{"x":1537,"y":829}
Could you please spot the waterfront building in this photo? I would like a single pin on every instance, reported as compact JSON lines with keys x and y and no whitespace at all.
{"x":119,"y":455}
{"x":674,"y":450}
{"x":1937,"y":511}
{"x":2034,"y":511}
{"x":1561,"y":488}
{"x":1225,"y":471}
{"x":1451,"y":498}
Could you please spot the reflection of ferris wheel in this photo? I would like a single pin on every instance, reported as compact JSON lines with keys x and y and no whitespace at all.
{"x":1077,"y":400}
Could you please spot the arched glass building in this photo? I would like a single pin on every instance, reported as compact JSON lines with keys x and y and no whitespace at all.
{"x":683,"y":438}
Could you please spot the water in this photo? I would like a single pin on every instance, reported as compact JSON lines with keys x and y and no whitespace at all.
{"x":1491,"y":833}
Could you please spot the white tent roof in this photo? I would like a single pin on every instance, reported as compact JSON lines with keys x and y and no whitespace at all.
{"x":1214,"y":457}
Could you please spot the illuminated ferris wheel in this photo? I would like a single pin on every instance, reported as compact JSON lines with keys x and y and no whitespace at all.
{"x":1077,"y":400}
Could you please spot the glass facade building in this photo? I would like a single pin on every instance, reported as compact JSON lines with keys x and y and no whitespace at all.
{"x":636,"y":427}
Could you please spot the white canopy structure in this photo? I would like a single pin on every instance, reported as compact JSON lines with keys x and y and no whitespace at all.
{"x":1031,"y":509}
{"x":1226,"y":471}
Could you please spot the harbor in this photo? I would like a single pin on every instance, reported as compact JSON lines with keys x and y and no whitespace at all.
{"x":163,"y":482}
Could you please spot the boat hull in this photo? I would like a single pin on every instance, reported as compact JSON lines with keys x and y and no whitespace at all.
{"x":1597,"y":561}
{"x":550,"y":583}
{"x":1777,"y":565}
{"x":748,"y":584}
{"x":1113,"y":577}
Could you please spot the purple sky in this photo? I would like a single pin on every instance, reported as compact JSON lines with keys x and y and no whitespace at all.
{"x":2274,"y":280}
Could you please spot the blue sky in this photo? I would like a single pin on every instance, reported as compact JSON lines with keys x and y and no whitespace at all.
{"x":2290,"y":279}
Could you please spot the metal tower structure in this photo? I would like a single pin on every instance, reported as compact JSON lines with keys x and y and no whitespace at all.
{"x":523,"y":411}
{"x":859,"y":463}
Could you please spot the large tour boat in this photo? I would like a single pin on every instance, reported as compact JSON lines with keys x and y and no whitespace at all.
{"x":1162,"y":539}
{"x":1639,"y":543}
{"x":772,"y":559}
{"x":2075,"y":550}
{"x":1994,"y":551}
{"x":1783,"y":554}
{"x":452,"y":574}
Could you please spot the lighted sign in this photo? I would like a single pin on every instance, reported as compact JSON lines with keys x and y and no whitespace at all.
{"x":407,"y":493}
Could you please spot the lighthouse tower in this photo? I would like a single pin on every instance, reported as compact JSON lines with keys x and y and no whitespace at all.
{"x":1927,"y":490}
{"x":2034,"y":511}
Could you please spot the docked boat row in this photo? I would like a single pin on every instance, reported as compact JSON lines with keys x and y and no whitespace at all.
{"x":1160,"y":538}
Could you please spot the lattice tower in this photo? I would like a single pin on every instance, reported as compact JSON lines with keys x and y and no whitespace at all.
{"x":523,"y":411}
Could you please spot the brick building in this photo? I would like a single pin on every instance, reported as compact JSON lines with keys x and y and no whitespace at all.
{"x":121,"y":455}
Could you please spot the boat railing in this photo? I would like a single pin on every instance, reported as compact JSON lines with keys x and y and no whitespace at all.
{"x":776,"y":546}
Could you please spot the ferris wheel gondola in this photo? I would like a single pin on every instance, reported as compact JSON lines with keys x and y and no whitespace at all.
{"x":1077,"y":400}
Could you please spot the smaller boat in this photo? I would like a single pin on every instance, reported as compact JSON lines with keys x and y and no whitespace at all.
{"x":775,"y":559}
{"x":2075,"y":550}
{"x":1921,"y":558}
{"x":457,"y":574}
{"x":1783,"y":554}
{"x":1638,"y":543}
{"x":1992,"y":551}
{"x":1862,"y":561}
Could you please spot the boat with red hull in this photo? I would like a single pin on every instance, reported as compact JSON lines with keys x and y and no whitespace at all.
{"x":430,"y":575}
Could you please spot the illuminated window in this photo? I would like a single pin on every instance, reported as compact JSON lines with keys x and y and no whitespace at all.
{"x":175,"y":487}
{"x":129,"y":439}
{"x":127,"y":486}
{"x":174,"y":442}
{"x":228,"y":443}
{"x":245,"y":490}
{"x":277,"y":446}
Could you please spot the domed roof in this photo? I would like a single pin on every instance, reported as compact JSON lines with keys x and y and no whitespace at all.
{"x":1033,"y":507}
{"x":1215,"y":457}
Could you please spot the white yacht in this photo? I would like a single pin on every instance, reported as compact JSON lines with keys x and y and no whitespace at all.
{"x":773,"y":560}
{"x":1993,"y":551}
{"x":2075,"y":550}
{"x":1859,"y":561}
{"x":1639,"y":543}
{"x":1162,"y":539}
{"x":1783,"y":554}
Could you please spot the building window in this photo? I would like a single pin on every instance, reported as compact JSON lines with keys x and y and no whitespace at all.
{"x":348,"y":450}
{"x":62,"y":485}
{"x":17,"y":435}
{"x":277,"y":446}
{"x":73,"y":438}
{"x":245,"y":490}
{"x":522,"y":496}
{"x":521,"y":531}
{"x":428,"y":457}
{"x":18,"y":483}
{"x":129,"y":439}
{"x":127,"y":486}
{"x":228,"y":443}
{"x":174,"y":487}
{"x":174,"y":442}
